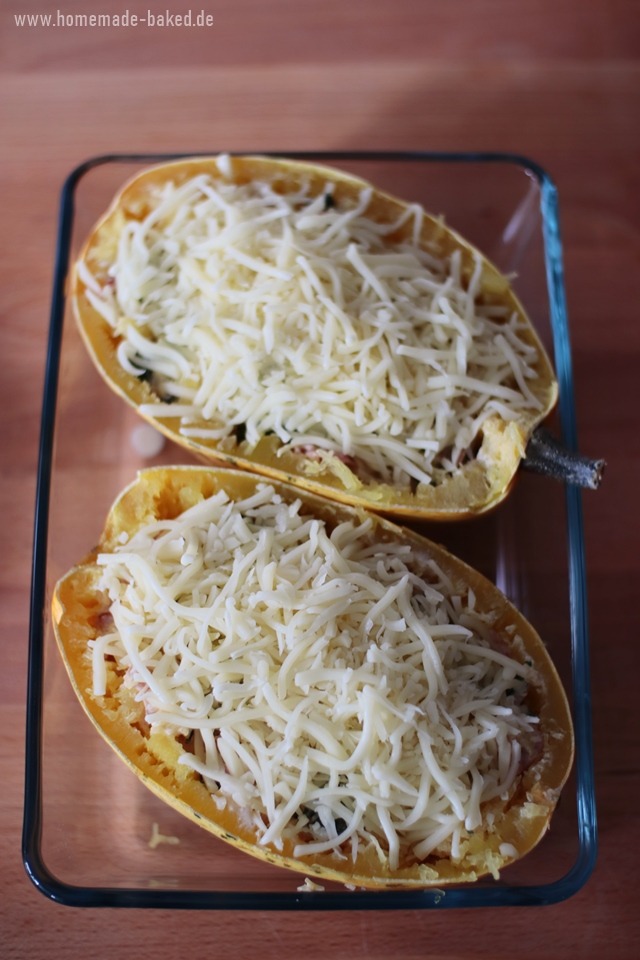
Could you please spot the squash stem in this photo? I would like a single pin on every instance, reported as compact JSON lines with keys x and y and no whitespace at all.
{"x":546,"y":455}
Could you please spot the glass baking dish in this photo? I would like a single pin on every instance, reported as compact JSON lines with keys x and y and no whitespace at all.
{"x":88,"y":822}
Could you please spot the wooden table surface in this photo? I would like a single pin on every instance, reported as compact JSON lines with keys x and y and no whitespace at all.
{"x":556,"y":80}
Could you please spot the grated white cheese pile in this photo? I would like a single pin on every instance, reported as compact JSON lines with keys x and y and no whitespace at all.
{"x":337,"y":698}
{"x":280,"y":313}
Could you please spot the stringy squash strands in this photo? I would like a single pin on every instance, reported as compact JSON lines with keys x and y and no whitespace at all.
{"x":491,"y":834}
{"x":372,"y":366}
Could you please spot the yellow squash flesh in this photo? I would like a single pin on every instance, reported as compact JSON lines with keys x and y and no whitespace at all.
{"x":521,"y":821}
{"x":477,"y":486}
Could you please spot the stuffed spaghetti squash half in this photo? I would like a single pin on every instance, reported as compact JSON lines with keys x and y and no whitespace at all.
{"x":293,"y":320}
{"x":319,"y":687}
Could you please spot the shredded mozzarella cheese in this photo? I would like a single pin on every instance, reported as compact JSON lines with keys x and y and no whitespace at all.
{"x":279,"y":313}
{"x":336,"y":697}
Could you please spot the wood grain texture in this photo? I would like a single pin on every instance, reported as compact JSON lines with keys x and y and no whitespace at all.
{"x":558,"y":81}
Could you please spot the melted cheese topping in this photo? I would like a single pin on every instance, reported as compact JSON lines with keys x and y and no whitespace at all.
{"x":336,"y":697}
{"x":289,"y":315}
